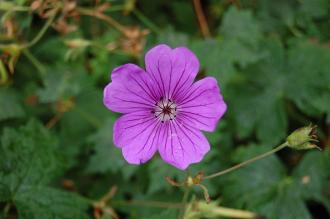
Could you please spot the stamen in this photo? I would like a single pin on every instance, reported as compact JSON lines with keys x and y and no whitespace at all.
{"x":165,"y":110}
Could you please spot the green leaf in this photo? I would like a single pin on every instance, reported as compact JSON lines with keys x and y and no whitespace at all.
{"x":255,"y":184}
{"x":264,"y":186}
{"x":28,"y":156}
{"x":315,"y":8}
{"x":48,"y":203}
{"x":106,"y":156}
{"x":240,"y":25}
{"x":10,"y":106}
{"x":260,"y":105}
{"x":62,"y":84}
{"x":313,"y":177}
{"x":311,"y":83}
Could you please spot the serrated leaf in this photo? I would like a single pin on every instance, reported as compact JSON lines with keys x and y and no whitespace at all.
{"x":62,"y":84}
{"x":106,"y":156}
{"x":309,"y":68}
{"x":28,"y":156}
{"x":260,"y":105}
{"x":240,"y":25}
{"x":48,"y":203}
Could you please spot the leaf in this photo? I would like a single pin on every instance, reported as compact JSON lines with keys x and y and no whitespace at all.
{"x":10,"y":106}
{"x":172,"y":38}
{"x":239,"y":46}
{"x":311,"y":83}
{"x":255,"y":184}
{"x":28,"y":156}
{"x":62,"y":84}
{"x":240,"y":25}
{"x":313,"y":177}
{"x":87,"y":115}
{"x":43,"y":202}
{"x":260,"y":105}
{"x":315,"y":9}
{"x":106,"y":156}
{"x":265,"y":187}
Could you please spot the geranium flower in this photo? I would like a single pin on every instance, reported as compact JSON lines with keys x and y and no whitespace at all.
{"x":163,"y":109}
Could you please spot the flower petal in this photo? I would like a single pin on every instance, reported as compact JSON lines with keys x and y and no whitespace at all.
{"x":137,"y":134}
{"x":182,"y":145}
{"x":129,"y":91}
{"x":202,"y":106}
{"x":173,"y":70}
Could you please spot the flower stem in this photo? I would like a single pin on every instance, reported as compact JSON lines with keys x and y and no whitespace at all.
{"x":152,"y":204}
{"x":240,"y":165}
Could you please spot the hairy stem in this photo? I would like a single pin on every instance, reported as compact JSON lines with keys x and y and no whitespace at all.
{"x":240,"y":165}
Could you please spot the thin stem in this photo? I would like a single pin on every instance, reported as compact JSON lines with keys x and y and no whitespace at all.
{"x":103,"y":17}
{"x":42,"y":31}
{"x":88,"y":117}
{"x":39,"y":66}
{"x":278,"y":148}
{"x":153,"y":204}
{"x":146,"y":21}
{"x":184,"y":203}
{"x":201,"y":19}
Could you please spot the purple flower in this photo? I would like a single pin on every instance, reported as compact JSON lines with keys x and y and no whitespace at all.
{"x":163,"y":109}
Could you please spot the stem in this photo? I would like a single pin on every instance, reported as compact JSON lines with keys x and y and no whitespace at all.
{"x":109,"y":20}
{"x":39,"y":66}
{"x":88,"y":117}
{"x":146,"y":21}
{"x":155,"y":204}
{"x":184,"y":203}
{"x":201,"y":19}
{"x":278,"y":148}
{"x":42,"y":31}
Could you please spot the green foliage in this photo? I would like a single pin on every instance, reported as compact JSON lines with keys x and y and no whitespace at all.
{"x":272,"y":62}
{"x":30,"y":159}
{"x":266,"y":187}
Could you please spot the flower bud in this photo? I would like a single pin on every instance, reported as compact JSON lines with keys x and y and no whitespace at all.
{"x":302,"y":138}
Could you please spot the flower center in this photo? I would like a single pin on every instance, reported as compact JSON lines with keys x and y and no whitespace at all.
{"x":165,"y":110}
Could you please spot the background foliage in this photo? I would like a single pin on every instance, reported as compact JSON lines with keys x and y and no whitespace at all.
{"x":271,"y":58}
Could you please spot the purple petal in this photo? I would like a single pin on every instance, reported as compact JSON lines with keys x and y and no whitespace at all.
{"x":173,"y":70}
{"x":202,"y":106}
{"x":137,"y":134}
{"x":129,"y":91}
{"x":182,"y":145}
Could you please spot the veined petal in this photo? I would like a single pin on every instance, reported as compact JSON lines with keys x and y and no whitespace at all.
{"x":202,"y":106}
{"x":138,"y":135}
{"x":173,"y":70}
{"x":129,"y":91}
{"x":182,"y":145}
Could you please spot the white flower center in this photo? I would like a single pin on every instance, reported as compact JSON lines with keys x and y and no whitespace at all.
{"x":165,"y":109}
